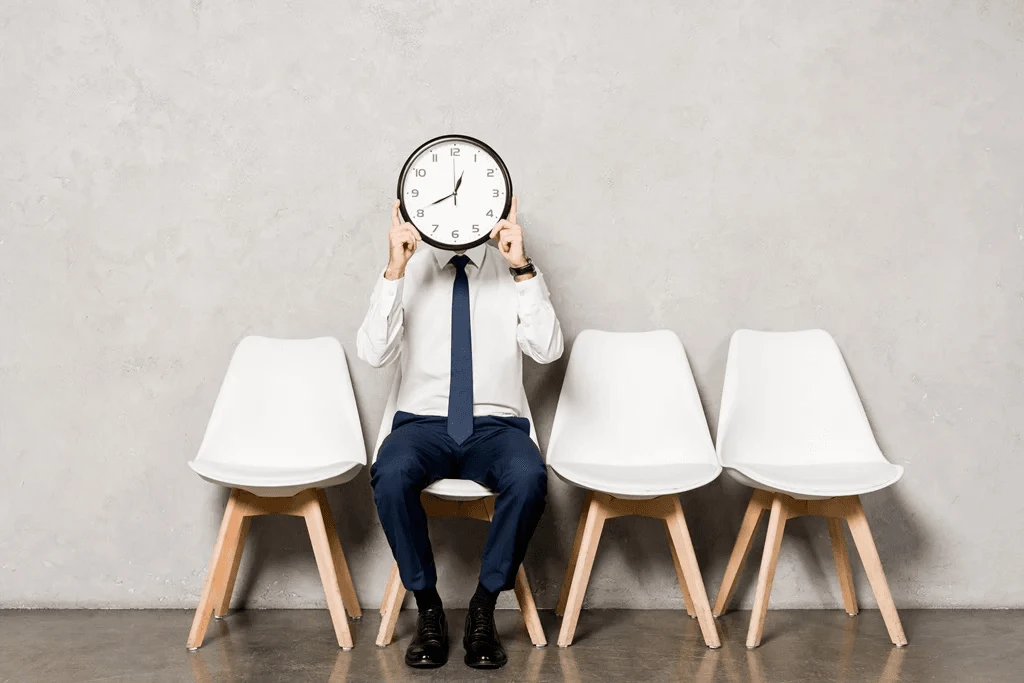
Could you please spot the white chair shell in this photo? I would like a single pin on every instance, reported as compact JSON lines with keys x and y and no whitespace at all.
{"x":629,"y":419}
{"x":792,"y":421}
{"x":285,"y":419}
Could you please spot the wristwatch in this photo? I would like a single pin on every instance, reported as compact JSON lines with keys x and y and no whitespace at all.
{"x":528,"y":269}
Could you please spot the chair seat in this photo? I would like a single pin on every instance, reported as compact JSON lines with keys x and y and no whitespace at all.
{"x":275,"y":481}
{"x":818,"y":481}
{"x":649,"y":481}
{"x":458,"y":489}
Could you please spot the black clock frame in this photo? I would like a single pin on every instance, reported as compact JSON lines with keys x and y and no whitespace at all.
{"x":456,"y":138}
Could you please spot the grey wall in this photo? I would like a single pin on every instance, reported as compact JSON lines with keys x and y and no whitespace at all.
{"x":176,"y":175}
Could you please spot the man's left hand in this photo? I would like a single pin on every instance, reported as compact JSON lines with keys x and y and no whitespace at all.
{"x":509,"y":235}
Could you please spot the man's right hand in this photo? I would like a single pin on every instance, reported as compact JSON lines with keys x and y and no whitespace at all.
{"x":403,"y":240}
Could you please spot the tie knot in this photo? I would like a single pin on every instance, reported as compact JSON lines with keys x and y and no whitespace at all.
{"x":459,"y":261}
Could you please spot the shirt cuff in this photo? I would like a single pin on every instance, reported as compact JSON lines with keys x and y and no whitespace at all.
{"x":388,"y":292}
{"x":533,"y":291}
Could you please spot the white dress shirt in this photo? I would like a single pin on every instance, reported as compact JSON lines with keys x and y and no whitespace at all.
{"x":411,"y":319}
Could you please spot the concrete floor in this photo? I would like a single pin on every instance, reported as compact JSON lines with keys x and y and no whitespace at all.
{"x":611,"y":645}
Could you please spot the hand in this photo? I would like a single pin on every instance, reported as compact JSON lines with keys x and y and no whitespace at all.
{"x":402,"y":240}
{"x":510,"y":237}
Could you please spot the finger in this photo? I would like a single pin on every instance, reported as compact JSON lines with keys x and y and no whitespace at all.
{"x":508,"y":237}
{"x":414,"y":234}
{"x":514,"y":210}
{"x":501,"y":225}
{"x":396,"y":220}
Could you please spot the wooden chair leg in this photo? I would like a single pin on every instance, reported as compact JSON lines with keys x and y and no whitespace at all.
{"x":862,"y":538}
{"x":687,"y":599}
{"x":529,"y":609}
{"x":388,"y":587}
{"x":596,"y":515}
{"x":772,"y":544}
{"x":393,"y":602}
{"x":224,"y":551}
{"x":680,"y":537}
{"x":573,"y":555}
{"x":348,"y":589}
{"x":842,"y":558}
{"x":396,"y":596}
{"x":316,"y":524}
{"x":224,"y":603}
{"x":755,"y":508}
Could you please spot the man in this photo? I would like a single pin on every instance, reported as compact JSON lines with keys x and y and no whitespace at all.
{"x":459,"y":323}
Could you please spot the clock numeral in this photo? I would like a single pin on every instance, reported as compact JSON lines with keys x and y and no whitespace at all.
{"x":436,"y":226}
{"x":455,"y":234}
{"x":433,"y":157}
{"x":491,"y":213}
{"x":474,"y":157}
{"x":415,"y":193}
{"x":419,"y":213}
{"x":456,"y":151}
{"x":496,"y":193}
{"x":476,"y":228}
{"x":490,"y":173}
{"x":420,"y":172}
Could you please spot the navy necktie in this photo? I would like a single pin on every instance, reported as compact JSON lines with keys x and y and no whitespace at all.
{"x":460,"y":393}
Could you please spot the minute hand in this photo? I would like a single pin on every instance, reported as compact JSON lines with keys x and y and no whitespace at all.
{"x":441,"y":199}
{"x":456,"y":192}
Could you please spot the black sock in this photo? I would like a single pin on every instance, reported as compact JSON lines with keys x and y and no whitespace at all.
{"x":483,"y":598}
{"x":427,"y":598}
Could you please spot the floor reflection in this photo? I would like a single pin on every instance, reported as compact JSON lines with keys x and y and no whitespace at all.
{"x":846,"y":652}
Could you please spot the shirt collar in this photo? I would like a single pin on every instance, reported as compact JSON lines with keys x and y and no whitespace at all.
{"x":476,"y":255}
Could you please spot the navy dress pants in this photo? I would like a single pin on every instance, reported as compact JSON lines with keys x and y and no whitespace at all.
{"x":498,"y":454}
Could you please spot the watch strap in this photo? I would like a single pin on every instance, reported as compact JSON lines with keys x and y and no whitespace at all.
{"x":528,"y":269}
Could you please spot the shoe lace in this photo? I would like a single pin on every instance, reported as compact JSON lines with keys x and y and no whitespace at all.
{"x":481,"y":625}
{"x":430,"y":624}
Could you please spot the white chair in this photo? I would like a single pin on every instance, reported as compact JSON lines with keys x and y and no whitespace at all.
{"x":793,"y":428}
{"x":283,"y":428}
{"x":630,"y":429}
{"x":451,"y":498}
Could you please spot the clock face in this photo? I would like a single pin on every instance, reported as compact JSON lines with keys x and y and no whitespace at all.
{"x":454,"y":189}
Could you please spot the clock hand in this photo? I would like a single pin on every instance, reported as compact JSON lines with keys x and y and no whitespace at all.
{"x":455,"y":192}
{"x":459,"y":182}
{"x":441,"y":199}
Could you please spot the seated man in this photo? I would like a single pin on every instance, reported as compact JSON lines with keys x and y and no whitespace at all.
{"x":459,"y":323}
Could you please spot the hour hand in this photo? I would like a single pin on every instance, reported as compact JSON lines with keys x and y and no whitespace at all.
{"x":459,"y":182}
{"x":441,"y":199}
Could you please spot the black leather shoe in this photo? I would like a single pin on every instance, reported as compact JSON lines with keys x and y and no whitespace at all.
{"x":483,"y":648}
{"x":429,"y":649}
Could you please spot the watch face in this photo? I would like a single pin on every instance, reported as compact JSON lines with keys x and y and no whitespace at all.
{"x":454,"y":189}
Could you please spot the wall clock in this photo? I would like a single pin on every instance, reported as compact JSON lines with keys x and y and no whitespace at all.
{"x":454,"y":189}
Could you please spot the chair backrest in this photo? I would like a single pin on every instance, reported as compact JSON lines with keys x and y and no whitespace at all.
{"x":788,"y":399}
{"x":629,"y":398}
{"x":392,"y":407}
{"x":285,"y":403}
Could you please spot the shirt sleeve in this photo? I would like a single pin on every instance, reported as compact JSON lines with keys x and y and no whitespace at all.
{"x":539,"y":333}
{"x":379,"y":340}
